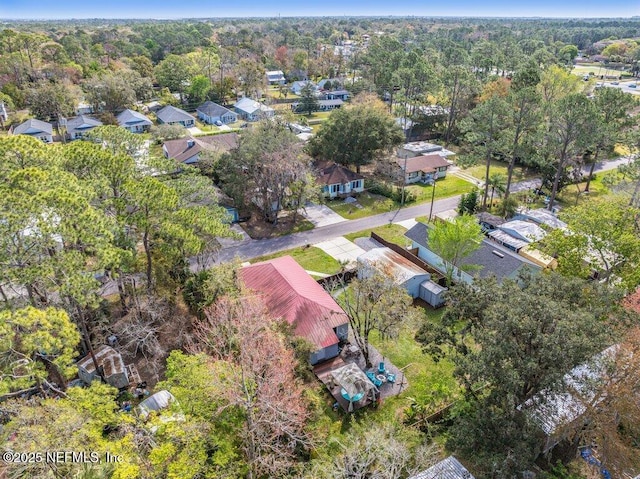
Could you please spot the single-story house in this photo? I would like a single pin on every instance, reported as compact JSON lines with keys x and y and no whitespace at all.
{"x":112,"y":364}
{"x":275,"y":77}
{"x":298,"y":86}
{"x":134,"y":121}
{"x":489,"y":259}
{"x":251,"y":110}
{"x":170,"y":115}
{"x":187,"y":150}
{"x":323,"y":105}
{"x":337,"y":95}
{"x":291,"y":294}
{"x":423,"y":168}
{"x":337,"y":180}
{"x":405,"y":273}
{"x":212,"y":113}
{"x":541,"y":217}
{"x":79,"y":126}
{"x":36,"y":128}
{"x":523,"y":230}
{"x":449,"y":468}
{"x":421,"y":148}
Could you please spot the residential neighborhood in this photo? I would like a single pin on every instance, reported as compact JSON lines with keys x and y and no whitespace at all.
{"x":392,"y":247}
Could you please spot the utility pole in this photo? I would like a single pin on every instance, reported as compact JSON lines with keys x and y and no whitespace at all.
{"x":433,"y":194}
{"x":404,"y":178}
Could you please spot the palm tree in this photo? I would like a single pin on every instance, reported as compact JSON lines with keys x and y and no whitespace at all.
{"x":497,"y":181}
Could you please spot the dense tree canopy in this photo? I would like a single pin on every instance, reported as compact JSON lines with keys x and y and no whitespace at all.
{"x":356,"y":135}
{"x":510,"y":341}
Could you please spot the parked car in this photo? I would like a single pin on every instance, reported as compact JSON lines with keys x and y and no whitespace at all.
{"x":633,"y":85}
{"x":615,"y":83}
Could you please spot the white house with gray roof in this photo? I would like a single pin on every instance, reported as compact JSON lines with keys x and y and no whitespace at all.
{"x":276,"y":77}
{"x":212,"y":113}
{"x":251,"y":110}
{"x":79,"y":126}
{"x":170,"y":115}
{"x":490,"y":259}
{"x":134,"y":121}
{"x":36,"y":128}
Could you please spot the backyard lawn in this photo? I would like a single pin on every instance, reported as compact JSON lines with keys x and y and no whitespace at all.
{"x":431,"y":384}
{"x":392,"y":233}
{"x":310,"y":258}
{"x":519,"y":173}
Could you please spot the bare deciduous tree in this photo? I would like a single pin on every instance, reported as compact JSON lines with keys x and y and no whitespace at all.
{"x":261,"y":382}
{"x":374,"y":302}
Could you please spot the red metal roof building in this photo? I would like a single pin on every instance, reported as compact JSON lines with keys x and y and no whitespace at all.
{"x":291,"y":294}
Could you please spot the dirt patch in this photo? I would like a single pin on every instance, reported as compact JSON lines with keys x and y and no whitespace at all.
{"x":257,"y":228}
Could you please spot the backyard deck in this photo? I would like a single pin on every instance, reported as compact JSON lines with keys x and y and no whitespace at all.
{"x":350,"y":354}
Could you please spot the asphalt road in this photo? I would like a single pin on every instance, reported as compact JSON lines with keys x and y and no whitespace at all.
{"x":255,"y":248}
{"x":624,"y":86}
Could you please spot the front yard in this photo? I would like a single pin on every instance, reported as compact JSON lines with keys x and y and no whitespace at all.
{"x":392,"y":233}
{"x":310,"y":258}
{"x":370,"y":205}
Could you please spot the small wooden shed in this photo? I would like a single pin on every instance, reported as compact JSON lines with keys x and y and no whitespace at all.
{"x":112,"y":364}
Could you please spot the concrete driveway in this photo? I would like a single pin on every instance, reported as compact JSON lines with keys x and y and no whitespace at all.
{"x":341,"y":249}
{"x":321,"y":215}
{"x":194,"y":130}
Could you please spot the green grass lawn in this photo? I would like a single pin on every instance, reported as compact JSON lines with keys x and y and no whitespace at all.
{"x":376,"y":204}
{"x":519,"y":173}
{"x":311,"y":258}
{"x":392,"y":233}
{"x":431,"y":384}
{"x":371,"y":205}
{"x":569,"y":194}
{"x":446,"y":187}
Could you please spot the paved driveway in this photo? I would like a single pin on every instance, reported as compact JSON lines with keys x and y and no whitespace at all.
{"x":321,"y":215}
{"x":341,"y":249}
{"x":194,"y":130}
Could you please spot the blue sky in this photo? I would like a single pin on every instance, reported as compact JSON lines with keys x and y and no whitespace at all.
{"x":43,"y":9}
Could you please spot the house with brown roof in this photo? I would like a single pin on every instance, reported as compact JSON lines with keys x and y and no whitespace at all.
{"x":187,"y":150}
{"x":425,"y":168}
{"x":337,"y":180}
{"x":289,"y":293}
